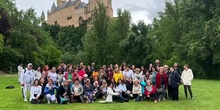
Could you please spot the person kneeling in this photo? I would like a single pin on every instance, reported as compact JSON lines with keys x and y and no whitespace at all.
{"x":64,"y":94}
{"x":35,"y":93}
{"x":49,"y":91}
{"x":151,"y":91}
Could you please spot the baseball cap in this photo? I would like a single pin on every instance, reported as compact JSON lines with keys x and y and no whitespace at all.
{"x":30,"y":64}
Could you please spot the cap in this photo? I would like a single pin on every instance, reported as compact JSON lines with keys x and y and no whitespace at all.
{"x":30,"y":64}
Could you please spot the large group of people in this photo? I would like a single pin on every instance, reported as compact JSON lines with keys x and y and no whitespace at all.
{"x":119,"y":83}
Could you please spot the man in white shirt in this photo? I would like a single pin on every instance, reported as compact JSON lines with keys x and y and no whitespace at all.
{"x":128,"y":73}
{"x":26,"y":80}
{"x":20,"y":68}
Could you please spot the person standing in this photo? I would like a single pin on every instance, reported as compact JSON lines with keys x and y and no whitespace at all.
{"x":174,"y":80}
{"x":37,"y":73}
{"x":26,"y":80}
{"x":20,"y":68}
{"x":128,"y":73}
{"x":161,"y":82}
{"x":187,"y":77}
{"x":177,"y":69}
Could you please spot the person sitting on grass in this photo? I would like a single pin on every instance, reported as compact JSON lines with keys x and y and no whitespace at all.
{"x":49,"y":91}
{"x":113,"y":96}
{"x":88,"y":91}
{"x":151,"y":91}
{"x":96,"y":89}
{"x":136,"y":90}
{"x":129,"y":86}
{"x":77,"y":91}
{"x":64,"y":91}
{"x":122,"y":89}
{"x":42,"y":84}
{"x":35,"y":93}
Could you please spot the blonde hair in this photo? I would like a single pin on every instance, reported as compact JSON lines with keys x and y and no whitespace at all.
{"x":137,"y":70}
{"x":165,"y":66}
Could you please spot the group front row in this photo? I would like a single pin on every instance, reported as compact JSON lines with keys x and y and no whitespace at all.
{"x":68,"y":92}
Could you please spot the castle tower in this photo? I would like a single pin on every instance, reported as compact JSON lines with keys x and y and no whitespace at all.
{"x":107,"y":3}
{"x":42,"y":16}
{"x":60,"y":2}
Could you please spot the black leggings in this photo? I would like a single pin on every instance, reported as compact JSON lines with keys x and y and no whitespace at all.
{"x":189,"y":89}
{"x":175,"y":93}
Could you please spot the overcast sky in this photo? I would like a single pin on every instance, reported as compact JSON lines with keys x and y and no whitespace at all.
{"x":140,"y":9}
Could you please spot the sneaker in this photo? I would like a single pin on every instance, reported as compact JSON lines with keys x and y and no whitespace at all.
{"x":155,"y":101}
{"x":192,"y":98}
{"x":159,"y":100}
{"x":25,"y":100}
{"x":164,"y":99}
{"x":48,"y":102}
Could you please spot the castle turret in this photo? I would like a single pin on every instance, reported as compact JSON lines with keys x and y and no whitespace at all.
{"x":53,"y":7}
{"x":42,"y":16}
{"x":60,"y":2}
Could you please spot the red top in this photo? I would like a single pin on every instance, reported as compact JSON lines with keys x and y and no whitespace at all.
{"x":81,"y":73}
{"x":153,"y":90}
{"x":159,"y":78}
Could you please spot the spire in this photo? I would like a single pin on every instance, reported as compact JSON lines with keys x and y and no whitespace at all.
{"x":48,"y":12}
{"x":42,"y":16}
{"x":53,"y":7}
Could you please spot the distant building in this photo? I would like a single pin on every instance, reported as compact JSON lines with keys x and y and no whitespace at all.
{"x":75,"y":12}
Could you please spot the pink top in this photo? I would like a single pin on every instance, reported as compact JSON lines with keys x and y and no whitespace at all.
{"x":81,"y":73}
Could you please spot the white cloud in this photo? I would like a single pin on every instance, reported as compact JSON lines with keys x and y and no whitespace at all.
{"x":142,"y":10}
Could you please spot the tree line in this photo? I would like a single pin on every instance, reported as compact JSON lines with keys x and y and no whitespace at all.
{"x":187,"y":31}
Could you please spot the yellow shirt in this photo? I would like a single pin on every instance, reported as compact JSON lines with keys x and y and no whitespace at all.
{"x":95,"y":74}
{"x":117,"y":76}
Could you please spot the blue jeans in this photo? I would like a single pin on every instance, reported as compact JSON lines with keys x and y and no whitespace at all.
{"x":88,"y":94}
{"x":164,"y":90}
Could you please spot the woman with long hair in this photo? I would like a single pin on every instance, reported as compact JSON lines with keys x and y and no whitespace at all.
{"x":35,"y":92}
{"x":45,"y":73}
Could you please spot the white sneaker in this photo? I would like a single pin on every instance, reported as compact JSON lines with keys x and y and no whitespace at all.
{"x":25,"y":100}
{"x":48,"y":102}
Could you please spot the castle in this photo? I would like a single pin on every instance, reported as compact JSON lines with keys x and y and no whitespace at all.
{"x":75,"y":12}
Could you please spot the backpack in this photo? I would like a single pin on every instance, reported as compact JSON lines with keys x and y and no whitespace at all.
{"x":25,"y":70}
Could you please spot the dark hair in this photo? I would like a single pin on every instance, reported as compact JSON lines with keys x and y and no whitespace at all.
{"x":35,"y":81}
{"x":76,"y":79}
{"x":110,"y":84}
{"x":39,"y":80}
{"x":50,"y":80}
{"x":122,"y":81}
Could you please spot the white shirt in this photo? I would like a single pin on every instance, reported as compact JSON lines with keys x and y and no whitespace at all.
{"x":37,"y":74}
{"x":187,"y":77}
{"x":137,"y":90}
{"x":20,"y":68}
{"x":27,"y":76}
{"x":128,"y":74}
{"x":53,"y":76}
{"x":35,"y":90}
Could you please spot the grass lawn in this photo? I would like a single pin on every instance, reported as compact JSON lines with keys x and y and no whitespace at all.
{"x":206,"y":97}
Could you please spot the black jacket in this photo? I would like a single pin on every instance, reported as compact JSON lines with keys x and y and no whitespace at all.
{"x":174,"y":79}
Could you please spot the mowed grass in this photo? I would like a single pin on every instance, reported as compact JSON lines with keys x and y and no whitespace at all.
{"x":206,"y":97}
